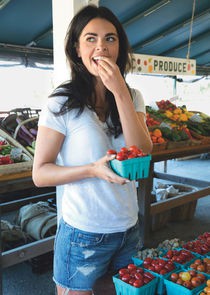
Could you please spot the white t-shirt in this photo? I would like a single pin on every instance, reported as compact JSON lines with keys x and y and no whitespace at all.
{"x":91,"y":204}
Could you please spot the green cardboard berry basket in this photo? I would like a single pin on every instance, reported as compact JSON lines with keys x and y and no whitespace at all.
{"x":133,"y":169}
{"x":175,"y":289}
{"x":160,"y":289}
{"x":123,"y":288}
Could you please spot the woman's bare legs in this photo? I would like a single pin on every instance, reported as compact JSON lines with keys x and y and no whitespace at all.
{"x":63,"y":291}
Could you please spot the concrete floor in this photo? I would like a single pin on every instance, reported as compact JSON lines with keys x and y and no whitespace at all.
{"x":21,"y":280}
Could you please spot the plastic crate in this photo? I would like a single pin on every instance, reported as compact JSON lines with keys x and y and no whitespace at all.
{"x":133,"y":169}
{"x":175,"y":289}
{"x":123,"y":288}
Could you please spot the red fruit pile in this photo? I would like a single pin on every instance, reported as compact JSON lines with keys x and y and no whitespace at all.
{"x":166,"y":105}
{"x":158,"y":265}
{"x":135,"y":276}
{"x":150,"y":121}
{"x":127,"y":153}
{"x":179,"y":256}
{"x":199,"y":246}
{"x":205,"y":237}
{"x":201,"y":264}
{"x":189,"y":279}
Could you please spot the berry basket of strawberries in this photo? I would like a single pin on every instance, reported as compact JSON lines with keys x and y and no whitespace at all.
{"x":130,"y":163}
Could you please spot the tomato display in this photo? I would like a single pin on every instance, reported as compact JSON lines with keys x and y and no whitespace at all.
{"x":135,"y":276}
{"x":127,"y":153}
{"x":187,"y":279}
{"x":179,"y":256}
{"x":158,"y":265}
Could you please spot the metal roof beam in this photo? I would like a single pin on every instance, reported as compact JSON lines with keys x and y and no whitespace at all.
{"x":183,"y":45}
{"x":40,"y":37}
{"x":169,"y":31}
{"x":147,"y":12}
{"x":25,"y":50}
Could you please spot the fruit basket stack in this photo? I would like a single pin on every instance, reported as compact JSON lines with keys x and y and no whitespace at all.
{"x":134,"y":280}
{"x":192,"y":283}
{"x":159,"y":267}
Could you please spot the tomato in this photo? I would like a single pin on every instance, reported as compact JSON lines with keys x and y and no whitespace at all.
{"x":126,"y":277}
{"x":138,"y":283}
{"x":131,"y":266}
{"x":121,"y":156}
{"x":123,"y":271}
{"x":133,"y":148}
{"x":196,"y":282}
{"x":185,"y":276}
{"x":138,"y":276}
{"x":124,"y":150}
{"x":111,"y":152}
{"x":174,"y":277}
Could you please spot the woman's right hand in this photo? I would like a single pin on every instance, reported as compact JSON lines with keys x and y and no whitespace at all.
{"x":101,"y":169}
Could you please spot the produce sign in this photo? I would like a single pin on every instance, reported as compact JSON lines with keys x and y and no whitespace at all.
{"x":163,"y":65}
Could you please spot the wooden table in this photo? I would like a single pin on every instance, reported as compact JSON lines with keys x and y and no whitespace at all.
{"x":146,"y":208}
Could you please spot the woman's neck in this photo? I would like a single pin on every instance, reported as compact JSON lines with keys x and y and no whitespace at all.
{"x":101,"y":105}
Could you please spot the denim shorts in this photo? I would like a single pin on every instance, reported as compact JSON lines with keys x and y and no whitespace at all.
{"x":81,"y":257}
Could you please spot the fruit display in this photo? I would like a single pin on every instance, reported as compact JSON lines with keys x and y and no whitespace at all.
{"x":181,"y":256}
{"x":189,"y":279}
{"x":201,"y":265}
{"x":198,"y":246}
{"x":11,"y":154}
{"x":151,"y":121}
{"x":130,"y":163}
{"x":177,"y":124}
{"x":206,"y":289}
{"x":22,"y":125}
{"x":135,"y":276}
{"x":157,"y":136}
{"x":158,"y":265}
{"x":127,"y":153}
{"x":205,"y":237}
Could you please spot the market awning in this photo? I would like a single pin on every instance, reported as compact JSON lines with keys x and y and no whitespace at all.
{"x":153,"y":27}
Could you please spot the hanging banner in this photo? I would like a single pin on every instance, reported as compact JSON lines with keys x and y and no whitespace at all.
{"x":151,"y":64}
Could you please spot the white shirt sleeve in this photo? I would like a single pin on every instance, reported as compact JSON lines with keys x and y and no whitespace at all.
{"x":138,"y":101}
{"x":48,"y":117}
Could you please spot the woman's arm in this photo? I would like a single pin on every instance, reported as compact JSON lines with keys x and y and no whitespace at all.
{"x":47,"y":173}
{"x":134,"y":127}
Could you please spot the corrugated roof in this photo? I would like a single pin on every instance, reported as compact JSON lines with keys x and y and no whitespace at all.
{"x":153,"y":27}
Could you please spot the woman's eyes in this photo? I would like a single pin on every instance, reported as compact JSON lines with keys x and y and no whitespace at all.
{"x":108,"y":39}
{"x":91,"y":39}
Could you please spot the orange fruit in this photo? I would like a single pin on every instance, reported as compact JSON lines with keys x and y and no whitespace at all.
{"x":160,"y":140}
{"x":157,"y":132}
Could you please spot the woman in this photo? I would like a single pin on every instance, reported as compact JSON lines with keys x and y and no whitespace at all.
{"x":94,"y":112}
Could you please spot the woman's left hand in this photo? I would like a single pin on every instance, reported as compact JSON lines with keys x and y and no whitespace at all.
{"x":110,"y":75}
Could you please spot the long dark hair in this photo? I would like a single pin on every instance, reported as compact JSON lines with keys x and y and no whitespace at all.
{"x":80,"y":90}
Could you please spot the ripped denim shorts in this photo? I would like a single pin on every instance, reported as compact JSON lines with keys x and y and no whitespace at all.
{"x":80,"y":257}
